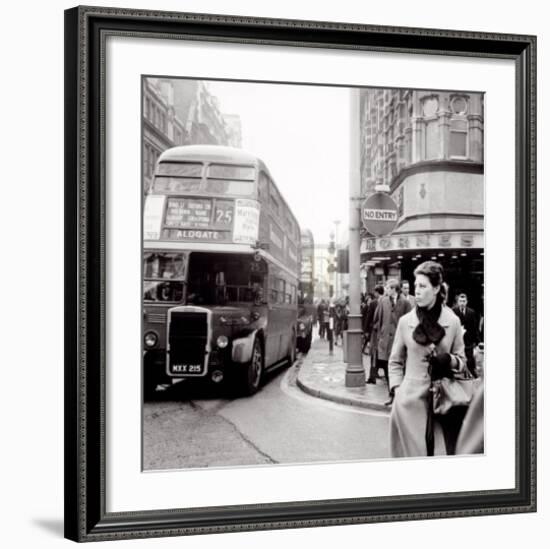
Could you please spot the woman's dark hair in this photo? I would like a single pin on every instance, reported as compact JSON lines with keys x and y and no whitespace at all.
{"x":434,"y":272}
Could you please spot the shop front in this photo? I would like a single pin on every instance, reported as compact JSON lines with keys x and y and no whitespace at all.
{"x":460,"y":253}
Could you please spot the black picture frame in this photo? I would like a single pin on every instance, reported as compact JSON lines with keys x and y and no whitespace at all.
{"x":86,"y":29}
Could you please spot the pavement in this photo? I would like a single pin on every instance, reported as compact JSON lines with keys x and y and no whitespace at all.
{"x":323,"y":374}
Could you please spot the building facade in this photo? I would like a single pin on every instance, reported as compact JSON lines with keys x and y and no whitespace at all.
{"x":325,"y":271}
{"x":234,"y":130}
{"x":162,"y":128}
{"x":427,"y":147}
{"x":182,"y":112}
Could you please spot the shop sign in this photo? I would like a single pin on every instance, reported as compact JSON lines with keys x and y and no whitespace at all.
{"x":423,"y":241}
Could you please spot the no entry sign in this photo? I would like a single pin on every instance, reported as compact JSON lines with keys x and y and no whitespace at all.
{"x":379,"y":214}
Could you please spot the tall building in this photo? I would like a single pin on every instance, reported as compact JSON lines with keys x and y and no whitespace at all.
{"x":204,"y":121}
{"x":307,"y":266}
{"x":427,"y":146}
{"x":182,"y":112}
{"x":162,"y":128}
{"x":234,"y":130}
{"x":325,"y":273}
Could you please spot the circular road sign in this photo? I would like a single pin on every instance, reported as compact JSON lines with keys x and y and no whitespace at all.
{"x":379,"y":214}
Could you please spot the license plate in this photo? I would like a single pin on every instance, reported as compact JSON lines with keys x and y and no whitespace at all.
{"x":190,"y":369}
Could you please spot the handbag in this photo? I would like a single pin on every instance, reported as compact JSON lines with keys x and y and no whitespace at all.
{"x":449,"y":392}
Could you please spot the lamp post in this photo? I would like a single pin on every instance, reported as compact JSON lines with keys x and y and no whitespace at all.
{"x":355,"y":371}
{"x":331,"y":267}
{"x":337,"y":288}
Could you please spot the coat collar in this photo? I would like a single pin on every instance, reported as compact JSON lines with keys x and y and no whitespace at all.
{"x":445,"y":318}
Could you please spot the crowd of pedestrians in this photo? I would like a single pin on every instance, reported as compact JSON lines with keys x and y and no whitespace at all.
{"x":422,"y":346}
{"x":418,"y":341}
{"x":332,"y":317}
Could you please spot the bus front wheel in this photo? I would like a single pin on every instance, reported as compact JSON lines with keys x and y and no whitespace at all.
{"x":254,"y":370}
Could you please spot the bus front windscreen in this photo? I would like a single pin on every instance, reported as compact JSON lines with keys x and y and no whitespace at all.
{"x":164,"y":277}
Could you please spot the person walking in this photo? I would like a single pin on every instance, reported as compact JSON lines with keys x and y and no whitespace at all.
{"x":390,"y":309}
{"x":370,"y":332}
{"x":428,"y":345}
{"x":321,"y":309}
{"x":405,"y":290}
{"x":339,"y":313}
{"x":470,"y":323}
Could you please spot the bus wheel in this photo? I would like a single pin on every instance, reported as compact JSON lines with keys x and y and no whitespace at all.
{"x":254,"y":370}
{"x":292,"y":350}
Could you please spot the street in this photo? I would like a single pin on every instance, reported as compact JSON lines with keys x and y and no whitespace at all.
{"x":280,"y":424}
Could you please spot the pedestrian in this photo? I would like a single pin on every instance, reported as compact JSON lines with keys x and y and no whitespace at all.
{"x":321,"y":318}
{"x":370,"y":332}
{"x":327,"y":332}
{"x":428,"y":345}
{"x":470,"y":323}
{"x":405,"y":290}
{"x":339,"y":313}
{"x":366,"y":300}
{"x":391,"y":308}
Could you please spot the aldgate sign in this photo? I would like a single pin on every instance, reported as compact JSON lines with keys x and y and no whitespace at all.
{"x":422,"y":241}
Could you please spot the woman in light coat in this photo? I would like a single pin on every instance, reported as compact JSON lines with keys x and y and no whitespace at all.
{"x":428,"y":344}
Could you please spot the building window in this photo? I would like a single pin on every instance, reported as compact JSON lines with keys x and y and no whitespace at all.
{"x":458,"y":139}
{"x":432,"y":140}
{"x":458,"y":143}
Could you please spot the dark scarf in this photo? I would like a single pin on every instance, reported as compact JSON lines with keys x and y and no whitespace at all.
{"x":428,"y":329}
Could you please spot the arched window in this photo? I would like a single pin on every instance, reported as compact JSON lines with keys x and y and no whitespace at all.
{"x":458,"y":139}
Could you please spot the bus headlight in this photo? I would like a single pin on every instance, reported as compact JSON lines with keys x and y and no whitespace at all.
{"x":150,"y":339}
{"x":222,"y":342}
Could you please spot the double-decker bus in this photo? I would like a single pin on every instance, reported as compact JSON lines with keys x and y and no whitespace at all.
{"x":221,"y":269}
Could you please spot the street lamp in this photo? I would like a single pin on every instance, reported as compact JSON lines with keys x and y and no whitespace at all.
{"x":355,"y":371}
{"x":331,"y":268}
{"x":337,"y":288}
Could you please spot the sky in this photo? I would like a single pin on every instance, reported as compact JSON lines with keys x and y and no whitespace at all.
{"x":302,"y":133}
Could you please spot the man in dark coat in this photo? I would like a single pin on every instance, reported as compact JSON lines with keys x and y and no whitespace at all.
{"x":390,"y":309}
{"x":470,"y":324}
{"x":368,"y":330}
{"x":321,"y":309}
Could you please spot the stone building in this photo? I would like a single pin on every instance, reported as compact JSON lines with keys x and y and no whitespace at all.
{"x":234,"y":130}
{"x":427,"y":147}
{"x":162,"y":128}
{"x":182,"y":112}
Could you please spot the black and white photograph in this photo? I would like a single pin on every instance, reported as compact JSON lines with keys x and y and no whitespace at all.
{"x":313,"y":273}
